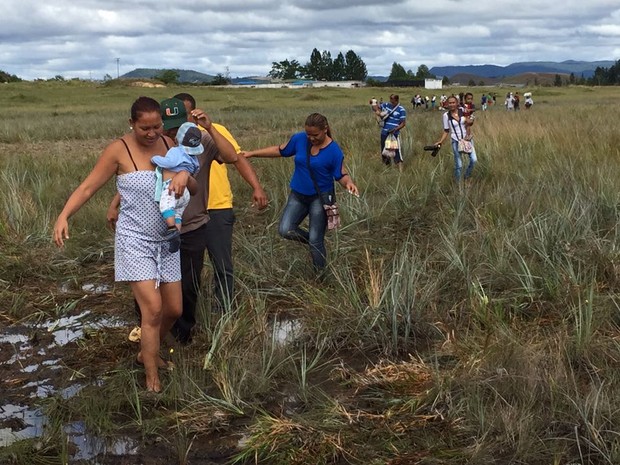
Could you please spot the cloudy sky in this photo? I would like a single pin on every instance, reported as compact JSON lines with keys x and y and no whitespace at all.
{"x":84,"y":38}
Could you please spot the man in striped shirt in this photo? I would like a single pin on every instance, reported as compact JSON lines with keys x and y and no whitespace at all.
{"x":394,"y":118}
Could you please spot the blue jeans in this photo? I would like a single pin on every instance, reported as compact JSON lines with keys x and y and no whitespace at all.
{"x":458,"y":163}
{"x":297,"y":208}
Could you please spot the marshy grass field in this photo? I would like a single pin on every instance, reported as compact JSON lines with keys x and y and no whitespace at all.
{"x":476,"y":325}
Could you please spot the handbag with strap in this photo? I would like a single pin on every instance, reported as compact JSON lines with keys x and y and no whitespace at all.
{"x":465,"y":146}
{"x":327,"y":198}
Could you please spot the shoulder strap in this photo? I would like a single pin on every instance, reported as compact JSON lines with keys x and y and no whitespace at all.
{"x":165,"y":143}
{"x":129,"y":152}
{"x":390,"y":113}
{"x":451,"y":120}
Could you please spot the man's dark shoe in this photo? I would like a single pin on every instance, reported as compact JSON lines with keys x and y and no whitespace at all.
{"x":434,"y":149}
{"x":173,"y":236}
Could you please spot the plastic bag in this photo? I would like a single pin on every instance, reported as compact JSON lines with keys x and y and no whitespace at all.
{"x":391,"y":142}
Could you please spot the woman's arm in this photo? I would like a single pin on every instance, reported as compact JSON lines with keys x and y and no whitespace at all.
{"x":104,"y":169}
{"x":443,"y":137}
{"x":112,"y":213}
{"x":346,"y":182}
{"x":192,"y":185}
{"x":266,"y":152}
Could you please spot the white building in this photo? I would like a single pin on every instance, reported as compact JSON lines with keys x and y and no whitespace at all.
{"x":433,"y":84}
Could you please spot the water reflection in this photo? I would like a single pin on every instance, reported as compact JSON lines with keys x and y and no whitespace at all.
{"x":286,"y":331}
{"x":19,"y":422}
{"x":88,"y":447}
{"x":96,"y":289}
{"x":31,"y":422}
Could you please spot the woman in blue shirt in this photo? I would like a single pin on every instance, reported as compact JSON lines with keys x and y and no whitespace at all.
{"x":318,"y":161}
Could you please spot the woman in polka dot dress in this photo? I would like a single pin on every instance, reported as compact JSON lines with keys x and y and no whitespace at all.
{"x":141,"y":255}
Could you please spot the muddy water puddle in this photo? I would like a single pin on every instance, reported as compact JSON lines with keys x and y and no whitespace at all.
{"x":32,"y":368}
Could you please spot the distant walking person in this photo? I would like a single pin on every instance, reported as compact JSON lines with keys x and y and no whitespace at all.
{"x":394,"y":120}
{"x":457,"y":126}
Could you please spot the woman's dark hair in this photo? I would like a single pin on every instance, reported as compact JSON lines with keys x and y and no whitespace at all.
{"x":317,"y":120}
{"x":187,"y":98}
{"x":143,"y":105}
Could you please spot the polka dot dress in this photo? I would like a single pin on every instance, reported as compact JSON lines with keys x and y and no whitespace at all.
{"x":140,"y":250}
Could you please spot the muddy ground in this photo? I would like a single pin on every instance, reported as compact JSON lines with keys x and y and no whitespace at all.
{"x":45,"y":357}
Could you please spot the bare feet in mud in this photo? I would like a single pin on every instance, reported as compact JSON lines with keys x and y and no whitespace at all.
{"x":161,"y":363}
{"x":152,"y":383}
{"x":152,"y":379}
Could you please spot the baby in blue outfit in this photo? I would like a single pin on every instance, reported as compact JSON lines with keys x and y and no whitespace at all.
{"x":179,"y":158}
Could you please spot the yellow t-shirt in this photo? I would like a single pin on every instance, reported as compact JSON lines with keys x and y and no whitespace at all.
{"x":220,"y":193}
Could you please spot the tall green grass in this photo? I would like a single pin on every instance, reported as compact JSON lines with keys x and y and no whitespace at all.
{"x":456,"y":325}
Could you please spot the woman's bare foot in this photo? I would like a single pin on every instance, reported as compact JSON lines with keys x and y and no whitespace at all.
{"x":161,"y":363}
{"x":152,"y":383}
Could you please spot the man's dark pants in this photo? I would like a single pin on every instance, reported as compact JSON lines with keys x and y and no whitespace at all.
{"x":216,"y":238}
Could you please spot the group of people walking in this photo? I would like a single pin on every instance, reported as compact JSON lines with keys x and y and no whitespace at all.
{"x":456,"y":121}
{"x":165,"y":279}
{"x":162,"y":233}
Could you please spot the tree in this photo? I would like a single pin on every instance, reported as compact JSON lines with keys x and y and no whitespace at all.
{"x":571,"y":79}
{"x":557,"y":81}
{"x":313,"y":67}
{"x":168,"y":76}
{"x":326,"y":66}
{"x":398,"y":73}
{"x":286,"y":69}
{"x":471,"y":83}
{"x":338,"y":68}
{"x":445,"y":81}
{"x":220,"y":80}
{"x":6,"y":77}
{"x":355,"y":68}
{"x":424,"y":73}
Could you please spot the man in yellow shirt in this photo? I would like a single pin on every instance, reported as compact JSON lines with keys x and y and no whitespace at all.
{"x":216,"y":237}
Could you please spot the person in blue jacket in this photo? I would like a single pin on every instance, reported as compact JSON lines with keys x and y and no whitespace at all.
{"x":318,"y":162}
{"x":182,"y":157}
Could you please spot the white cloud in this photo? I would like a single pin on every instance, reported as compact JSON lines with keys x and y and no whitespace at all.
{"x":83,"y":39}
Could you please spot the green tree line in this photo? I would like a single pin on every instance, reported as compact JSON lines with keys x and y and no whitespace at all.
{"x":322,"y":67}
{"x":6,"y":77}
{"x":606,"y":76}
{"x":398,"y":73}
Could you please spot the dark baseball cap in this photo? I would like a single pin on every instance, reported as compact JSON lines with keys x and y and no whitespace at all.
{"x":189,"y":137}
{"x":173,"y":113}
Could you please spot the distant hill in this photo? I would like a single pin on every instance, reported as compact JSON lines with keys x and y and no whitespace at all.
{"x":185,"y":75}
{"x":524,"y":79}
{"x":578,"y":68}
